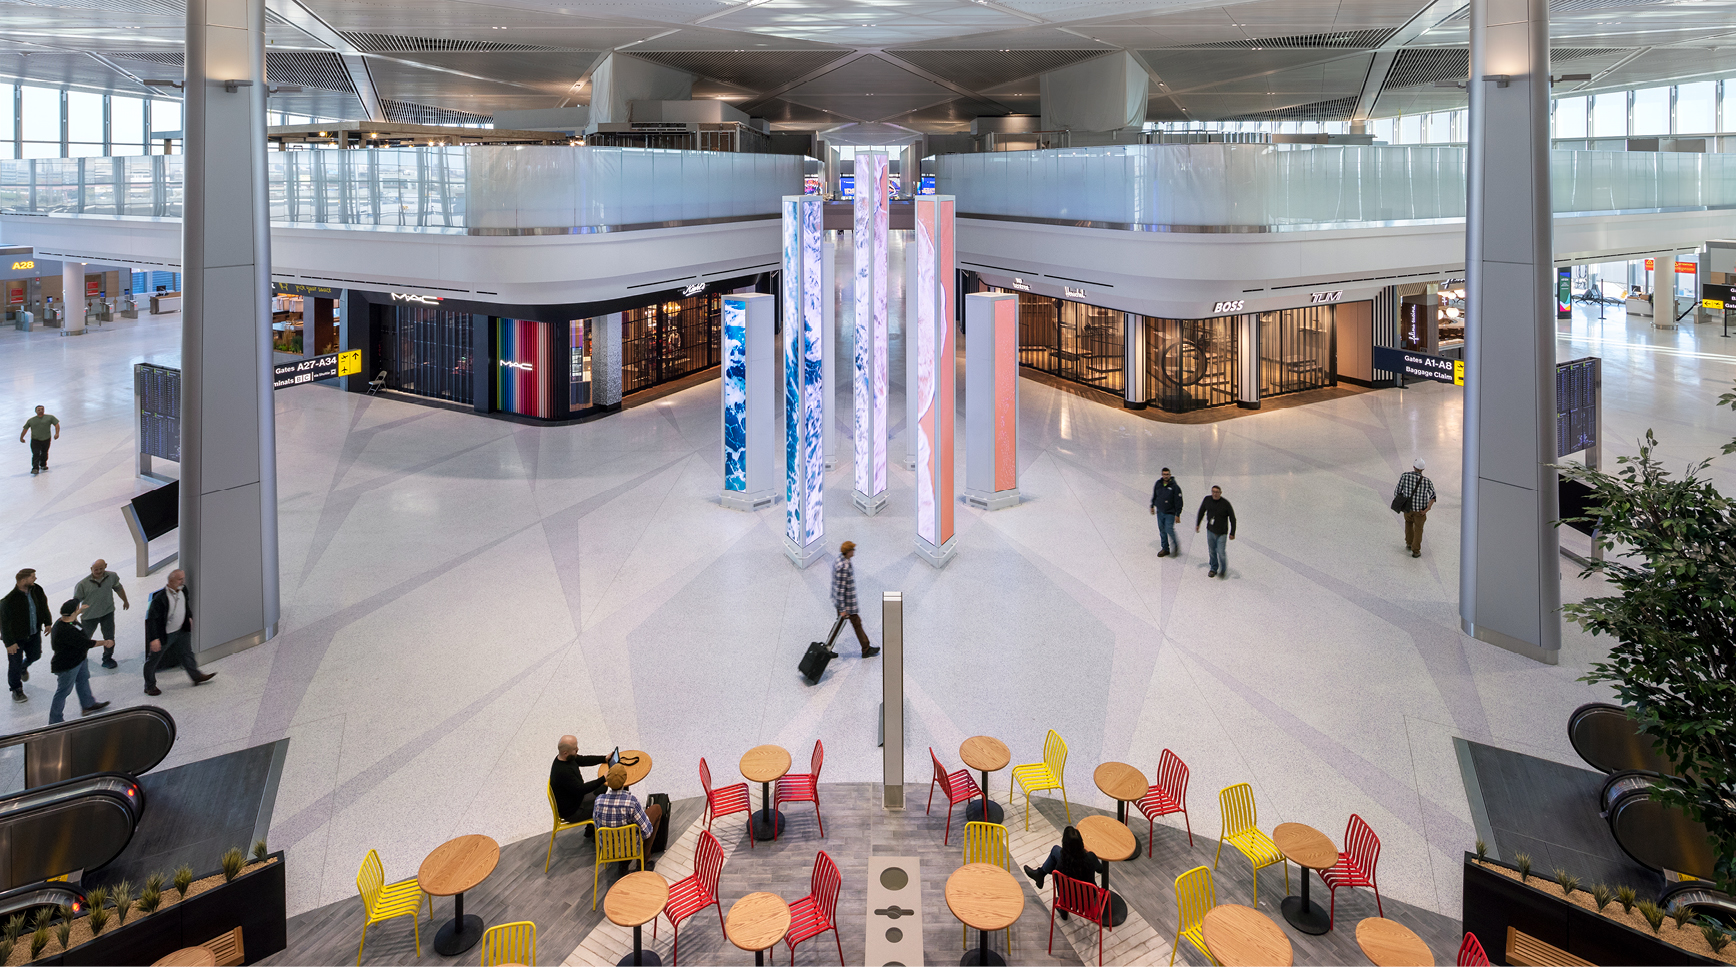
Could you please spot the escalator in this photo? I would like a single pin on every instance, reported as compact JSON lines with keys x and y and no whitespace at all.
{"x":1606,"y":738}
{"x":131,"y":741}
{"x":67,"y":826}
{"x":1655,"y":835}
{"x":29,"y":899}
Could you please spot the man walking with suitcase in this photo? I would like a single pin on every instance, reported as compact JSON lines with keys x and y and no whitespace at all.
{"x":844,"y":595}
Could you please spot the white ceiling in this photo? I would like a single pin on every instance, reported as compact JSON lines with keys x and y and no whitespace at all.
{"x":929,"y":64}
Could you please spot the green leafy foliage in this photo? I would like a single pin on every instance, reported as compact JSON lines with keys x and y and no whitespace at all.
{"x":38,"y":940}
{"x":183,"y":879}
{"x":1681,"y":914}
{"x":14,"y":928}
{"x":1601,"y":894}
{"x":1653,"y":913}
{"x":156,"y":881}
{"x":259,"y":851}
{"x":1626,"y":897}
{"x":1670,"y":544}
{"x":63,"y":929}
{"x":123,"y":897}
{"x":1567,"y":881}
{"x":99,"y":911}
{"x":1482,"y":849}
{"x":150,"y":898}
{"x":1523,"y":862}
{"x":1715,"y":935}
{"x":233,"y":861}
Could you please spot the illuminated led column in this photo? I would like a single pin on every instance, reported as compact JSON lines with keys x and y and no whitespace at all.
{"x":870,"y":239}
{"x":750,"y":384}
{"x":991,"y":400}
{"x":930,"y":342}
{"x":804,"y":380}
{"x":829,"y":305}
{"x":910,"y":324}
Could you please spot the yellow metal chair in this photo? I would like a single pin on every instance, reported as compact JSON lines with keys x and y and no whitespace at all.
{"x":1038,"y":776}
{"x":561,"y":826}
{"x":615,"y":844}
{"x":1236,"y":811}
{"x":1194,"y":897}
{"x":509,"y":943}
{"x":384,"y":901}
{"x":986,"y":843}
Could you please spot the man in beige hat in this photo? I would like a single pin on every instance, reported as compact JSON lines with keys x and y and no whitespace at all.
{"x":619,"y":807}
{"x":844,"y":595}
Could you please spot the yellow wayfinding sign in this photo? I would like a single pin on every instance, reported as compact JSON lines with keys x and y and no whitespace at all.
{"x":350,"y":363}
{"x":1711,"y":303}
{"x":1458,"y":372}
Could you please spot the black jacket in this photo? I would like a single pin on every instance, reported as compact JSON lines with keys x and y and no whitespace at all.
{"x":1219,"y":516}
{"x":71,"y":646}
{"x":567,"y":779}
{"x":1166,"y":497}
{"x":157,"y":613}
{"x":15,"y":615}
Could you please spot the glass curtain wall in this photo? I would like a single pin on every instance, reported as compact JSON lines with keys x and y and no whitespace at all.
{"x":668,"y":340}
{"x":1190,"y":364}
{"x":1072,"y":340}
{"x":1296,"y":350}
{"x":426,"y":351}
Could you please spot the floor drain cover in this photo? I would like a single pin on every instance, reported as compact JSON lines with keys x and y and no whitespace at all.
{"x":894,"y":878}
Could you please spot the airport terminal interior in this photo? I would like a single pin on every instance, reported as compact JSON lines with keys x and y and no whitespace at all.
{"x":1205,"y":410}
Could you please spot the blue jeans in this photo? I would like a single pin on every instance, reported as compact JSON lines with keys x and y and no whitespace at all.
{"x":1166,"y":529}
{"x":1217,"y":545}
{"x":29,"y":650}
{"x":77,"y":678}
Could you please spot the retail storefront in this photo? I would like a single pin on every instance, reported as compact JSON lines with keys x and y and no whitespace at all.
{"x":304,"y":319}
{"x":555,"y":363}
{"x":1180,"y":365}
{"x":36,"y":286}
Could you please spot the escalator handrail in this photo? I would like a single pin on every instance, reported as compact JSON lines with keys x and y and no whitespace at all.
{"x":21,"y":738}
{"x":42,"y":894}
{"x":46,"y":793}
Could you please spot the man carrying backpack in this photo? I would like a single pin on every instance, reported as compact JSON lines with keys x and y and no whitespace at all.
{"x":1413,"y":497}
{"x":1166,"y":504}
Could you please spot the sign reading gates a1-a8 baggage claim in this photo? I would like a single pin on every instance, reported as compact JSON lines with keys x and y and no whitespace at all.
{"x":314,"y":368}
{"x":1441,"y":369}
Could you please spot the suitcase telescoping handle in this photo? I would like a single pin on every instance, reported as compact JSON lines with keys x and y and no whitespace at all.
{"x":837,"y":626}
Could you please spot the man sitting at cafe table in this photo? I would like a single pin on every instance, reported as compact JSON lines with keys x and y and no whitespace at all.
{"x":619,"y":807}
{"x":574,"y":793}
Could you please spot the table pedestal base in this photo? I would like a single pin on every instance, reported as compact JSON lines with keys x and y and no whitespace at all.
{"x":982,"y":954}
{"x":650,"y":959}
{"x":974,"y":812}
{"x":458,"y":935}
{"x":1117,"y":910}
{"x":768,"y":825}
{"x":1304,"y":915}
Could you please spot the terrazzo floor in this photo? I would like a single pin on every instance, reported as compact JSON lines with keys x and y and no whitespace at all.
{"x":460,"y":591}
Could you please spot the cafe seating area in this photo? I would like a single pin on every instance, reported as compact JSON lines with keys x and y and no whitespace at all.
{"x":1173,"y":898}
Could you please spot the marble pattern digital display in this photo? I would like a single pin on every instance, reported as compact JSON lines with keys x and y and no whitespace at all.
{"x":870,"y":238}
{"x":734,"y":395}
{"x":933,"y":345}
{"x":804,"y":372}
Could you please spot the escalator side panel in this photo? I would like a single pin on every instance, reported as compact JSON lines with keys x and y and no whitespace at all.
{"x":61,"y":837}
{"x":132,"y":741}
{"x":1661,"y":837}
{"x":1606,"y":738}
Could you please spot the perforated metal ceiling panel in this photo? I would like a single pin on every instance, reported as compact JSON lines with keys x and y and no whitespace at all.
{"x":1346,"y":39}
{"x":406,"y":113}
{"x":751,"y":69}
{"x":373,"y":43}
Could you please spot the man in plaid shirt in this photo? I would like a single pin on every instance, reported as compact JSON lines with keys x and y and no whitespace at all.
{"x":844,"y":595}
{"x":1421,"y":493}
{"x":618,"y":807}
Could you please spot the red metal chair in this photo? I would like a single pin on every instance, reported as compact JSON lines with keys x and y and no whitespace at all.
{"x":1168,"y":794}
{"x":722,"y":802}
{"x":1081,"y":899}
{"x":1355,"y":864}
{"x":694,"y":892}
{"x":959,"y":786}
{"x":1471,"y":953}
{"x":800,"y":788}
{"x":816,"y":913}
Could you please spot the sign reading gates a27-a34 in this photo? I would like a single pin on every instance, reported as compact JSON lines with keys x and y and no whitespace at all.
{"x":313,"y":368}
{"x":1441,"y":369}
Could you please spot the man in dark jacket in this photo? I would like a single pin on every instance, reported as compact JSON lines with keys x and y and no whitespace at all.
{"x":1220,"y":520}
{"x":575,"y":795}
{"x":24,"y":615}
{"x":1166,"y":504}
{"x":71,"y":649}
{"x":169,"y":632}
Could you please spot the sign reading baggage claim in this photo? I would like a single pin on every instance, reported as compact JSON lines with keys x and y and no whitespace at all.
{"x":1441,"y":369}
{"x":314,"y":368}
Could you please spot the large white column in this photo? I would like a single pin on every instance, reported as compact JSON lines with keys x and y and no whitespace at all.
{"x":72,"y":286}
{"x":1664,"y":289}
{"x":228,"y":446}
{"x":1509,"y":565}
{"x":805,"y":388}
{"x":871,"y":378}
{"x":991,"y":399}
{"x":750,"y":384}
{"x":929,"y":340}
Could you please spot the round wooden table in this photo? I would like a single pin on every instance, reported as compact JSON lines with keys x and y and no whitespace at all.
{"x":189,"y":957}
{"x":636,"y":772}
{"x":1239,"y":936}
{"x":1114,"y":842}
{"x":1388,"y":943}
{"x":757,"y":922}
{"x":984,"y":754}
{"x":455,"y":866}
{"x":1308,"y":848}
{"x":986,"y":897}
{"x":1122,"y":783}
{"x":766,"y":764}
{"x":635,"y":900}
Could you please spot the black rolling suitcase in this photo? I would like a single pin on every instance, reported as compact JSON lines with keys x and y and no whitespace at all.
{"x":819,"y":655}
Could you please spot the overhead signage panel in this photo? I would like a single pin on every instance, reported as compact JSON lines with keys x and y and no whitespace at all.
{"x":315,"y":368}
{"x":1441,"y":369}
{"x":296,"y":288}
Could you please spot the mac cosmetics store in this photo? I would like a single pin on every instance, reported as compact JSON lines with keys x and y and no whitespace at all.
{"x":1180,"y":365}
{"x":560,"y":363}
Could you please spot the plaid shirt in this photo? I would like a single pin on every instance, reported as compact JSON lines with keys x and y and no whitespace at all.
{"x":618,"y":807}
{"x":844,"y":586}
{"x":1418,"y":488}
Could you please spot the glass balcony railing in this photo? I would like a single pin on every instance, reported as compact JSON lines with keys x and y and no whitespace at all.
{"x":478,"y":190}
{"x":1251,"y":187}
